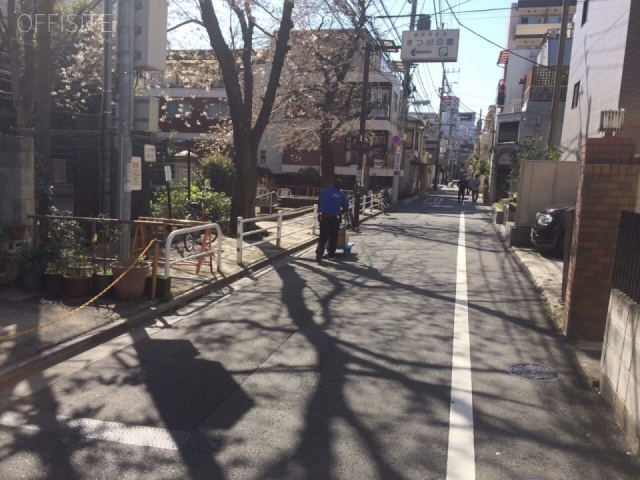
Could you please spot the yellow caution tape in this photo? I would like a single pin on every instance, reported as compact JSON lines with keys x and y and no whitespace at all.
{"x":72,"y":312}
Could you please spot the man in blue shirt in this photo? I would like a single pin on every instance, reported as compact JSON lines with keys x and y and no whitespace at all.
{"x":331,"y":202}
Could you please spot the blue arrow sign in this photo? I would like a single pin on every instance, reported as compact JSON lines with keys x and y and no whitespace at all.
{"x":415,"y":51}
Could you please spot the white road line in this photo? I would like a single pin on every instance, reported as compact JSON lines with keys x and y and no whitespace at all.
{"x":461,"y":451}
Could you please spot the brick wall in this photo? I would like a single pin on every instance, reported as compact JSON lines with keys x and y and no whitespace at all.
{"x":608,"y":184}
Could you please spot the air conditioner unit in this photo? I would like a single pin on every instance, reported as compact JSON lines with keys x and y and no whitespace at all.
{"x":611,"y":121}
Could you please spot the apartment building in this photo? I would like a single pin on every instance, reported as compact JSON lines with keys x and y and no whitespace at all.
{"x":605,"y":62}
{"x":523,"y":104}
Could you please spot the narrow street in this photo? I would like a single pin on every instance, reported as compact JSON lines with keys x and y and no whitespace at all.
{"x":402,"y":360}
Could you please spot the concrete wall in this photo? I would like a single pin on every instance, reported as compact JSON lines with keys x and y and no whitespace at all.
{"x":620,"y":363}
{"x":17,"y":194}
{"x":597,"y":61}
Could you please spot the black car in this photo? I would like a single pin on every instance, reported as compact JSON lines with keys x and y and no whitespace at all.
{"x":547,"y":235}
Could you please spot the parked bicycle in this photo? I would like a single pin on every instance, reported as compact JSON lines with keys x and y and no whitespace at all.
{"x":197,"y":212}
{"x":385,"y":201}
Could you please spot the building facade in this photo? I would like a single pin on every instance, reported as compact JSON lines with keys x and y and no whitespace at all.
{"x":523,"y":104}
{"x":605,"y":62}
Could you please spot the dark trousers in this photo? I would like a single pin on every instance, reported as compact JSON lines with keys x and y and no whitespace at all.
{"x":474,"y":196}
{"x":329,"y":230}
{"x":460,"y":195}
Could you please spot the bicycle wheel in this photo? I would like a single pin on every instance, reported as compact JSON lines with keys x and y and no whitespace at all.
{"x":214,"y":232}
{"x":189,"y":240}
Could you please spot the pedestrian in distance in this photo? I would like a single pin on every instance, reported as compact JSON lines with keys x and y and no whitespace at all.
{"x":462,"y":187}
{"x":474,"y":185}
{"x":331,"y":203}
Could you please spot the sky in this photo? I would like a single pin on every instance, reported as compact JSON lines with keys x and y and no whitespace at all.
{"x":473,"y":78}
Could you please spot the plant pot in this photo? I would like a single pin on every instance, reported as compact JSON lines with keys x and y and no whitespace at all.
{"x":17,"y":232}
{"x":100,"y":282}
{"x":32,"y":280}
{"x":131,"y":286}
{"x":53,"y":285}
{"x":77,"y":287}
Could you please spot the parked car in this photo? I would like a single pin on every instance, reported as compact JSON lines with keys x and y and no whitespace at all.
{"x":547,"y":235}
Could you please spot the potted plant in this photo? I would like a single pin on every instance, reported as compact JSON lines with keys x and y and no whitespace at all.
{"x":77,"y":278}
{"x":105,"y":244}
{"x":134,"y":277}
{"x":53,"y":275}
{"x":33,"y":263}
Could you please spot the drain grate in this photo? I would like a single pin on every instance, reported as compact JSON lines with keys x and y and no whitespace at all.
{"x":207,"y":299}
{"x":533,"y":371}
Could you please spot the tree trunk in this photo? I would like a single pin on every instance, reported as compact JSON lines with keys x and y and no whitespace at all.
{"x":245,"y":182}
{"x":327,"y":163}
{"x":42,"y":125}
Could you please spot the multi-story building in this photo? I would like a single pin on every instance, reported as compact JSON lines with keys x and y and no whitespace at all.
{"x":523,"y":105}
{"x":605,"y":62}
{"x":189,"y":110}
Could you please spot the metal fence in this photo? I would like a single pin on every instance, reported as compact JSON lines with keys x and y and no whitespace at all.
{"x":626,"y":267}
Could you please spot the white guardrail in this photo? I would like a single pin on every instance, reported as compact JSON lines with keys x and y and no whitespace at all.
{"x":217,"y":251}
{"x":299,"y":215}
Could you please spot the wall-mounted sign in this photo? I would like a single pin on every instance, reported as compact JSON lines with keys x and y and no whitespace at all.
{"x":134,"y":175}
{"x":398,"y":161}
{"x":430,"y":46}
{"x":149,"y":153}
{"x":167,"y":173}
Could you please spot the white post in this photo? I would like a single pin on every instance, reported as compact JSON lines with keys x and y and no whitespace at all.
{"x":315,"y":219}
{"x":239,"y":241}
{"x":279,"y":229}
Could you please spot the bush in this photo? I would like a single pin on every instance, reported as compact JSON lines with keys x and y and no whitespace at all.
{"x":220,"y":171}
{"x":217,"y":204}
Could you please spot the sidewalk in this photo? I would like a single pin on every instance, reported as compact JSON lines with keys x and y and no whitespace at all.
{"x":54,"y":340}
{"x":546,"y":274}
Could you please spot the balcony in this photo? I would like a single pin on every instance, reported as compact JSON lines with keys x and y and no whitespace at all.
{"x":540,"y":82}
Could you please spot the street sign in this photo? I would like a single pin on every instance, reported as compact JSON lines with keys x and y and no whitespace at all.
{"x":430,"y":46}
{"x":395,"y":139}
{"x":398,"y":160}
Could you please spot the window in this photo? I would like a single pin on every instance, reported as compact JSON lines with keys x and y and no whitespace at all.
{"x":178,"y":109}
{"x":554,"y":19}
{"x":576,"y":95}
{"x":508,"y":132}
{"x":59,"y":170}
{"x":585,"y":11}
{"x":263,"y":156}
{"x":218,"y":109}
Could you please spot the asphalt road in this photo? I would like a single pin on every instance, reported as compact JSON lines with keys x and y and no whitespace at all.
{"x":391,"y":363}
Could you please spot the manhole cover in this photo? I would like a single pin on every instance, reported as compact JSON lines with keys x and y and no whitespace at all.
{"x":532,"y":371}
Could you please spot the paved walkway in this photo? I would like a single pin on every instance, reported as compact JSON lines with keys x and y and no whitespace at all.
{"x":34,"y":336}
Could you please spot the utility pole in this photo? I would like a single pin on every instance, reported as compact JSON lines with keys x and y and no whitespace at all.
{"x":437,"y":153}
{"x":406,"y":85}
{"x":556,"y":86}
{"x":126,"y":15}
{"x":107,"y":100}
{"x":362,"y":161}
